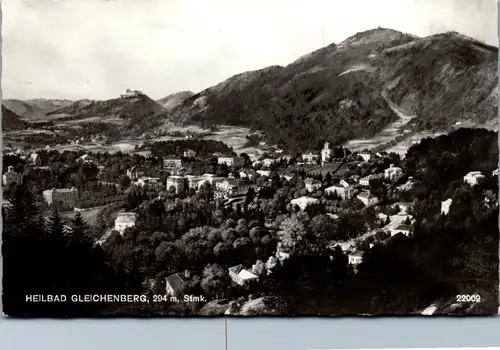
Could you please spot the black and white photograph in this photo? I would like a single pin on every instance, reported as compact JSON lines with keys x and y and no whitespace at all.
{"x":249,"y":158}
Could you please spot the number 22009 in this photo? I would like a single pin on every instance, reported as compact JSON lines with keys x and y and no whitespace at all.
{"x":468,"y":298}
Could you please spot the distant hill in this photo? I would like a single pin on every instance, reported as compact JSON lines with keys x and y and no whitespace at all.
{"x":341,"y":92}
{"x":11,"y":121}
{"x":173,"y":100}
{"x":35,"y":108}
{"x":133,"y":109}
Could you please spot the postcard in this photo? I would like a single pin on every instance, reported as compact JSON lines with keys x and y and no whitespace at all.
{"x":263,"y":158}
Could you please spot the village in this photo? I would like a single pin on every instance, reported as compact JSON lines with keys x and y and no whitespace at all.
{"x":334,"y":179}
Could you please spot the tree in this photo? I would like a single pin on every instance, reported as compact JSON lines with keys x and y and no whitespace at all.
{"x":214,"y":280}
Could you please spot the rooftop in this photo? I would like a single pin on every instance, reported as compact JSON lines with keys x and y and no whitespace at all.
{"x":176,"y":281}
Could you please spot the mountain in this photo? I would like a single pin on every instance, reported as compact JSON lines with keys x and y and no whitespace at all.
{"x":35,"y":108}
{"x":132,"y":108}
{"x":345,"y":91}
{"x":173,"y":100}
{"x":11,"y":121}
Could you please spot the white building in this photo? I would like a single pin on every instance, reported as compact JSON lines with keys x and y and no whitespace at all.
{"x":326,"y":153}
{"x":310,"y":157}
{"x":495,"y":172}
{"x":393,"y":172}
{"x":64,"y":196}
{"x":342,"y":192}
{"x":473,"y":178}
{"x":404,"y":229}
{"x":189,"y":153}
{"x":178,"y":182}
{"x":366,"y":156}
{"x":304,"y":202}
{"x":268,"y":162}
{"x":35,"y":159}
{"x":312,"y":184}
{"x":265,"y":173}
{"x":137,"y":171}
{"x":86,"y":159}
{"x":356,"y":257}
{"x":124,"y":221}
{"x":445,"y":206}
{"x":152,"y":182}
{"x":348,"y":182}
{"x":242,"y":276}
{"x":11,"y":177}
{"x":172,"y":162}
{"x":230,"y":160}
{"x":367,"y":180}
{"x":367,"y":198}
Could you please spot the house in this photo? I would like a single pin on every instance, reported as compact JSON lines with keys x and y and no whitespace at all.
{"x":288,"y":176}
{"x":189,"y":153}
{"x":342,"y":192}
{"x":404,"y":229}
{"x":242,"y":276}
{"x":365,"y":155}
{"x":230,"y":160}
{"x":356,"y":257}
{"x":175,"y":285}
{"x":404,"y":207}
{"x":326,"y":153}
{"x":367,"y":180}
{"x":473,"y":178}
{"x":348,"y":183}
{"x":310,"y":157}
{"x":393,"y":173}
{"x":178,"y":182}
{"x":312,"y":184}
{"x":367,"y":198}
{"x":445,"y":206}
{"x":64,"y":197}
{"x":151,"y":182}
{"x":35,"y":160}
{"x":137,"y":171}
{"x":304,"y":202}
{"x":265,"y":173}
{"x":86,"y":159}
{"x":130,"y":93}
{"x":248,"y":174}
{"x":11,"y":177}
{"x":172,"y":162}
{"x":495,"y":172}
{"x":124,"y":221}
{"x":268,"y":162}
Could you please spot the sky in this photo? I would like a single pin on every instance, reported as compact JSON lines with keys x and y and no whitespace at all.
{"x":96,"y":49}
